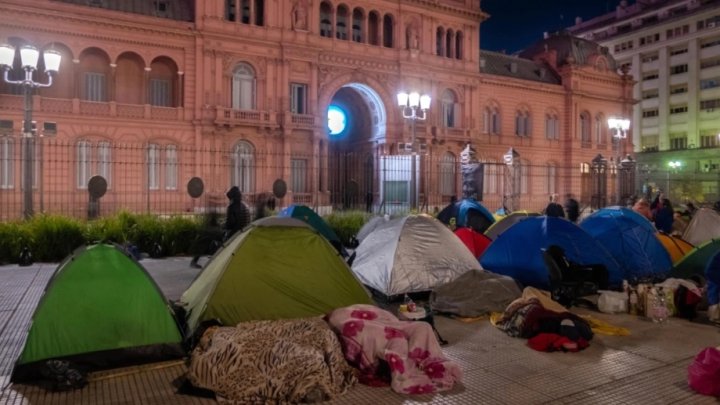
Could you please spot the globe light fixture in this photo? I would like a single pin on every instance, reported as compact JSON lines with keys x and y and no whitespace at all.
{"x":414,"y":107}
{"x":620,"y":125}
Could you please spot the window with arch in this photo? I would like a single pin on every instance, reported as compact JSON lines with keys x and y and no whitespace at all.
{"x":491,"y":120}
{"x":459,"y":45}
{"x":374,"y":28}
{"x":243,"y":87}
{"x":600,"y":129}
{"x":326,"y":28}
{"x":243,"y":167}
{"x":585,"y":127}
{"x":299,"y":175}
{"x":552,"y":126}
{"x":388,"y":30}
{"x":440,"y":41}
{"x":7,"y":160}
{"x":93,"y":161}
{"x":450,"y":110}
{"x":447,"y":178}
{"x":551,"y":178}
{"x":357,"y":24}
{"x":95,"y":69}
{"x":449,"y":43}
{"x":522,"y":123}
{"x":341,"y":23}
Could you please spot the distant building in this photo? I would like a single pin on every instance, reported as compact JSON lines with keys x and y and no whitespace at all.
{"x":672,"y":49}
{"x":151,"y":94}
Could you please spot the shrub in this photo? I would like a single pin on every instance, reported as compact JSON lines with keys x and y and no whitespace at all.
{"x":347,"y":224}
{"x":106,"y":230}
{"x":13,"y":237}
{"x":54,"y":237}
{"x":146,"y":233}
{"x":179,"y":234}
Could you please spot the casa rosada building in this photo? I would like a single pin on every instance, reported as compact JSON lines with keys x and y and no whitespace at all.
{"x":151,"y":94}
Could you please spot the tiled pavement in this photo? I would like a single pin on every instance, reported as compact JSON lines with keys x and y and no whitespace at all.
{"x":647,"y":367}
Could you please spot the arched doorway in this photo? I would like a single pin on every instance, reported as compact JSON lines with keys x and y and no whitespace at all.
{"x":357,"y":122}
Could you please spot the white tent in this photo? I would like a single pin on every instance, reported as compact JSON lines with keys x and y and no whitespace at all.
{"x":705,"y":225}
{"x":411,"y":254}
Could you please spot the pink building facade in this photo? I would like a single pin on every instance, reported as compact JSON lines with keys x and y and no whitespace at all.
{"x":152,"y":94}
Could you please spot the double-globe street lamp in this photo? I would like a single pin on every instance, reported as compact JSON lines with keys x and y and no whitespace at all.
{"x":414,"y":107}
{"x":29,"y":56}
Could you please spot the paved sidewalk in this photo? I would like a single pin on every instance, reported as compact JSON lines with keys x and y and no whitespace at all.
{"x":648,"y":367}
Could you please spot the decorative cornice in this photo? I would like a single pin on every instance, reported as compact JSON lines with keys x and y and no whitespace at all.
{"x":184,"y":30}
{"x":350,"y":62}
{"x":449,"y":8}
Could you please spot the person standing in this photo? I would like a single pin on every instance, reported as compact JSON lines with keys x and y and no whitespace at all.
{"x":554,"y":209}
{"x":572,"y":208}
{"x":237,"y":215}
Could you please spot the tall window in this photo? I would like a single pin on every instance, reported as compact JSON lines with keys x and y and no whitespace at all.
{"x":449,"y":107}
{"x":600,"y":129}
{"x":83,"y":164}
{"x":326,"y":28}
{"x":299,"y":172}
{"x":95,"y":87}
{"x":298,"y":99}
{"x":171,"y":167}
{"x":341,"y":23}
{"x":491,"y":175}
{"x":6,"y":163}
{"x":160,"y":92}
{"x":551,"y":179}
{"x":522,"y":123}
{"x":447,"y":176}
{"x":491,"y":120}
{"x":243,"y":87}
{"x":388,"y":23}
{"x":440,"y":42}
{"x":585,"y":127}
{"x":357,"y":23}
{"x":243,"y":171}
{"x":459,"y":45}
{"x":153,"y":166}
{"x":552,"y":126}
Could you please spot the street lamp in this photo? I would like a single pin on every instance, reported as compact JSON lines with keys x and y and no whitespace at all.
{"x":620,"y":125}
{"x":414,"y":107}
{"x":28,"y":61}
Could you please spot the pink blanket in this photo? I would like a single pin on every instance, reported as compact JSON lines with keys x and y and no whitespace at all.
{"x":417,"y":364}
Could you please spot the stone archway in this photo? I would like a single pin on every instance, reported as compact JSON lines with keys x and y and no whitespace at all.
{"x":357,"y":124}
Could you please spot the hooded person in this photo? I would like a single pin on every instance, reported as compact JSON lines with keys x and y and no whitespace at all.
{"x":237,"y":215}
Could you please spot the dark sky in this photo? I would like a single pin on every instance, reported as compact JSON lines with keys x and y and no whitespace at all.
{"x":516,"y":24}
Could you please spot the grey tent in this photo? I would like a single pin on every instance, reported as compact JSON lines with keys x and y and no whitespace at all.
{"x":475,"y":293}
{"x":411,"y":254}
{"x":704,"y":226}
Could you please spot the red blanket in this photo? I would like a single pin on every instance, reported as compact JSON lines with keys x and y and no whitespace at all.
{"x":370,"y":335}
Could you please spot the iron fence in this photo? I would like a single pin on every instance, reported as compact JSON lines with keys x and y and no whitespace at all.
{"x":156,"y":178}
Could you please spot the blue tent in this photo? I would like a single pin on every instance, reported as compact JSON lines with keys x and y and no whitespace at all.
{"x":631,"y":241}
{"x":467,"y":212}
{"x":517,"y":252}
{"x":712,"y":276}
{"x":307,"y":215}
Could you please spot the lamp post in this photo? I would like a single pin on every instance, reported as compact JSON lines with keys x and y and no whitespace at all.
{"x":414,"y":108}
{"x":28,"y":61}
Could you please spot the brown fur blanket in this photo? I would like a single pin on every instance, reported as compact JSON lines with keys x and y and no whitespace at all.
{"x":285,"y":361}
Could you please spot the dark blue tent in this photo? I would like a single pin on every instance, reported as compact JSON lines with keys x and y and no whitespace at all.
{"x":631,"y":240}
{"x":467,"y":213}
{"x":518,"y":251}
{"x":306,"y":214}
{"x":712,"y":276}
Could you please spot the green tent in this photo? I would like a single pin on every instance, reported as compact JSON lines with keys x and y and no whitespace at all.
{"x":99,"y":306}
{"x":306,"y":214}
{"x":695,"y":262}
{"x":278,"y":268}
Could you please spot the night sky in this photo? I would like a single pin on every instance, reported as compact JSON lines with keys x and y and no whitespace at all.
{"x":516,"y":24}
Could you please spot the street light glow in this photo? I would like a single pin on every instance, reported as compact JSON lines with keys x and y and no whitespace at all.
{"x":620,"y":125}
{"x":675,"y":164}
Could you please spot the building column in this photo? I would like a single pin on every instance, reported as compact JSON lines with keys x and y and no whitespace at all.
{"x":76,"y":78}
{"x":112,"y":86}
{"x":364,"y":28}
{"x":180,"y":89}
{"x":663,"y":99}
{"x":252,"y":12}
{"x":146,"y":86}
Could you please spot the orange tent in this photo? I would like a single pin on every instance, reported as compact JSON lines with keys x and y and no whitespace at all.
{"x":676,"y":246}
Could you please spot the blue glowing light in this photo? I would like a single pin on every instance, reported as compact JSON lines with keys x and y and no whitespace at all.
{"x":337,"y":120}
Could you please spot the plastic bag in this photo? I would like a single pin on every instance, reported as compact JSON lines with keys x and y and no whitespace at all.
{"x":704,"y":372}
{"x":613,"y":302}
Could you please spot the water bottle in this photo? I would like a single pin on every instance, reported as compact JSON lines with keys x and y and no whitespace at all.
{"x":660,"y":311}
